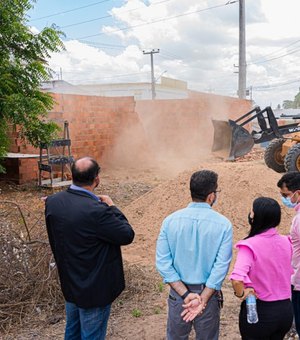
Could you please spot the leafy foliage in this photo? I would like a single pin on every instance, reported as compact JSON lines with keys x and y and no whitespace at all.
{"x":297,"y":100}
{"x":292,"y":104}
{"x":288,"y":104}
{"x":23,"y":66}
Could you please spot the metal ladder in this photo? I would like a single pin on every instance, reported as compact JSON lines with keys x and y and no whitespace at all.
{"x":56,"y":158}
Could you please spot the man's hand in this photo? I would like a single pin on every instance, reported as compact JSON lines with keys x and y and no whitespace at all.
{"x":191,"y":296}
{"x":106,"y":199}
{"x":193,"y":306}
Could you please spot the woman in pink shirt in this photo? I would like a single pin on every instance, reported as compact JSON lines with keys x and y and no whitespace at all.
{"x":263,"y":267}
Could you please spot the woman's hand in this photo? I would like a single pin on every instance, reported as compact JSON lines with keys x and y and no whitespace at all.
{"x":247,"y":291}
{"x":240,"y":291}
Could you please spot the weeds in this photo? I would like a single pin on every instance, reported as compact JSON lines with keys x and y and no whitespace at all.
{"x":136,"y":313}
{"x":161,"y":287}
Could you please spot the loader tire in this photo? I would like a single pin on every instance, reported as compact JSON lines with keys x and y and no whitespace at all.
{"x":292,"y":159}
{"x":273,"y":158}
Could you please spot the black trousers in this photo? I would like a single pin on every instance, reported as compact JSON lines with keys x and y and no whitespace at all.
{"x":274,"y":320}
{"x":296,"y":306}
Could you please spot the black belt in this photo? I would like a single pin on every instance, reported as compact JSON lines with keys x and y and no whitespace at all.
{"x":200,"y":286}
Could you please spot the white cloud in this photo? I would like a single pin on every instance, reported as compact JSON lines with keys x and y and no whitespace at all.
{"x":34,"y":30}
{"x":199,"y":47}
{"x":82,"y":64}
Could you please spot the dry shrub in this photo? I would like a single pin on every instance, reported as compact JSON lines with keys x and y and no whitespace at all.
{"x":28,"y":279}
{"x":29,"y":284}
{"x":140,"y":280}
{"x":143,"y":288}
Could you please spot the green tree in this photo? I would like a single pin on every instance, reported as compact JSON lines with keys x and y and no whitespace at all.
{"x":292,"y":104}
{"x":297,"y":101}
{"x":288,"y":104}
{"x":23,"y":66}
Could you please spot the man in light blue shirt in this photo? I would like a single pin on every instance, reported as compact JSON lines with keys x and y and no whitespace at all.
{"x":194,"y":250}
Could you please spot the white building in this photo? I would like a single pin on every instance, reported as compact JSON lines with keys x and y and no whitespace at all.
{"x":167,"y":89}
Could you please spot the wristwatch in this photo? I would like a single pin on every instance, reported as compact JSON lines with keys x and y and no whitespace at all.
{"x":185,"y":294}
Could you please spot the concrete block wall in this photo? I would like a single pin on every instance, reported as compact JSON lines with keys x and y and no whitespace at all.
{"x":20,"y":170}
{"x":183,"y":127}
{"x":116,"y":129}
{"x":95,"y":124}
{"x":28,"y":169}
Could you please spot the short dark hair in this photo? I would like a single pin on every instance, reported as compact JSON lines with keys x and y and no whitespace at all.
{"x":287,"y":179}
{"x":267,"y":214}
{"x":86,"y":176}
{"x":203,"y":183}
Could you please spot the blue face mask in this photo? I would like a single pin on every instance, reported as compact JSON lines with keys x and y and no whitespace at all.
{"x":215,"y":201}
{"x":287,"y":202}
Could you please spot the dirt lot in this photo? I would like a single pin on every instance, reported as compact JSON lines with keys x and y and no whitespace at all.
{"x":147,"y":196}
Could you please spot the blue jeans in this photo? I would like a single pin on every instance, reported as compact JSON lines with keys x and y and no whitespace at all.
{"x":86,"y":324}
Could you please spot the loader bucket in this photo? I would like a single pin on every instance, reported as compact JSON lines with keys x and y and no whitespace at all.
{"x":231,"y":140}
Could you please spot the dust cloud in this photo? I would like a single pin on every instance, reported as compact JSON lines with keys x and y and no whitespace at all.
{"x":130,"y":149}
{"x":173,"y":135}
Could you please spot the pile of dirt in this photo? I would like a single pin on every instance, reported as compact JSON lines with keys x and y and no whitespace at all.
{"x":146,"y":198}
{"x":240,"y":184}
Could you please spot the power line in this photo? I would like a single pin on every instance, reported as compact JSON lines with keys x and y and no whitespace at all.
{"x":281,"y":56}
{"x":102,"y":45}
{"x":168,"y":55}
{"x":96,"y":81}
{"x":274,"y":52}
{"x":110,"y":15}
{"x":110,"y":77}
{"x":262,"y":87}
{"x":87,"y":21}
{"x":68,"y":11}
{"x":162,"y":19}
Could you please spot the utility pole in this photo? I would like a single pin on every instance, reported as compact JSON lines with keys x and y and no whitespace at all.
{"x":152,"y":71}
{"x":242,"y":51}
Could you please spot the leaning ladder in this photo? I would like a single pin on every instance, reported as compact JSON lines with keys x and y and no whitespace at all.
{"x":56,"y":158}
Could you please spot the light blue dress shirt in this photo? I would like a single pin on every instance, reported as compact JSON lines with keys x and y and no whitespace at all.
{"x":75,"y":187}
{"x":195,"y":246}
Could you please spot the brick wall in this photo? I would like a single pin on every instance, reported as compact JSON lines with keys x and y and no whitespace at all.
{"x":183,"y":127}
{"x":20,"y":170}
{"x":118,"y":130}
{"x":96,"y":124}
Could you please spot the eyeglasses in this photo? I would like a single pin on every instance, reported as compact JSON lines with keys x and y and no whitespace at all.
{"x":287,"y":195}
{"x":217,"y":191}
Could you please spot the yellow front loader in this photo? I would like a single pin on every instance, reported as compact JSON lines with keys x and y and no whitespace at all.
{"x":233,"y":140}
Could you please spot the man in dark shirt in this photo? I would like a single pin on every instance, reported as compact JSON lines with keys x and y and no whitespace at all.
{"x":85,"y":233}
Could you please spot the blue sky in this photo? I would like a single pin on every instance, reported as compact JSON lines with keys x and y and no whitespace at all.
{"x":74,"y":13}
{"x":198,"y":42}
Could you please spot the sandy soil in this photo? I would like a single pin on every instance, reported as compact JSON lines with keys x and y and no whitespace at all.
{"x":147,"y":197}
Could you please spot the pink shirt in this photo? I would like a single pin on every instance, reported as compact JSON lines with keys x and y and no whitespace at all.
{"x":264,"y":263}
{"x":295,"y":236}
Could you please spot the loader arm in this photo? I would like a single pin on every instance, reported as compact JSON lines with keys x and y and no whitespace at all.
{"x":232,"y":140}
{"x":274,"y":131}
